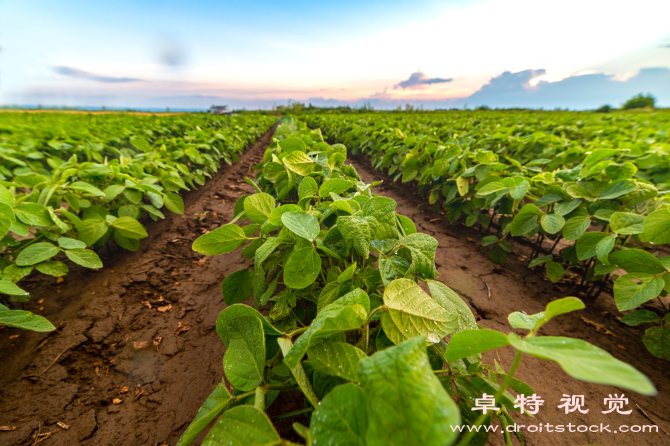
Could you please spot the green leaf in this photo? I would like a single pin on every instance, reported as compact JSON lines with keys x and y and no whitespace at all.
{"x":244,"y":360}
{"x":519,"y":191}
{"x":302,"y":224}
{"x":637,"y":261}
{"x":412,"y":312}
{"x":584,"y":361}
{"x":346,"y":274}
{"x":627,"y":223}
{"x":333,"y":318}
{"x":489,"y":240}
{"x":639,"y":317}
{"x":657,"y":227}
{"x":554,"y":271}
{"x":472,"y":342}
{"x":140,"y":143}
{"x":632,"y":290}
{"x":239,"y":310}
{"x":407,"y":225}
{"x":341,"y":419}
{"x":524,"y":321}
{"x":540,"y":260}
{"x":24,"y":319}
{"x":36,"y":253}
{"x":85,"y":187}
{"x":656,"y":339}
{"x":289,"y":145}
{"x":236,"y":287}
{"x":258,"y":207}
{"x":552,"y":223}
{"x":617,"y":189}
{"x":575,"y":227}
{"x":336,"y":359}
{"x":173,"y":203}
{"x":7,"y":287}
{"x":451,"y":302}
{"x":406,"y":403}
{"x":463,"y":185}
{"x":225,"y":239}
{"x":130,"y":228}
{"x":586,"y":245}
{"x":56,"y":269}
{"x":307,"y":188}
{"x":357,"y":233}
{"x":113,"y":191}
{"x":523,"y":223}
{"x":381,"y":208}
{"x":70,"y":243}
{"x":243,"y":426}
{"x":275,"y":216}
{"x":334,"y":185}
{"x":299,"y":163}
{"x":33,"y":214}
{"x":84,"y":257}
{"x":604,"y":247}
{"x":491,"y":188}
{"x":215,"y":403}
{"x":302,"y":268}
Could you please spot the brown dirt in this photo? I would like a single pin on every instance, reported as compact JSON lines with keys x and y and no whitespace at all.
{"x":106,"y":335}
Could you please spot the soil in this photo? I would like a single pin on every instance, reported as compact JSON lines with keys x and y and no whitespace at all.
{"x":136,"y":351}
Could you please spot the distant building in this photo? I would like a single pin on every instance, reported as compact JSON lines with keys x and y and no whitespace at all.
{"x":220,"y":110}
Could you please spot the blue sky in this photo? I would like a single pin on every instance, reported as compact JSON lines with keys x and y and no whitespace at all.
{"x":253,"y":54}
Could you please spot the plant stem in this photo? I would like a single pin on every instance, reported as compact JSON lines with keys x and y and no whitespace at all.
{"x":482,"y":418}
{"x":291,"y":414}
{"x":297,"y":331}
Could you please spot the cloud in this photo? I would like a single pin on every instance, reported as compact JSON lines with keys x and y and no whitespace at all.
{"x":81,"y":74}
{"x":579,"y":92}
{"x":419,"y":79}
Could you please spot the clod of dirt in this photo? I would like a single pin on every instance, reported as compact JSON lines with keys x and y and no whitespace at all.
{"x":86,"y":425}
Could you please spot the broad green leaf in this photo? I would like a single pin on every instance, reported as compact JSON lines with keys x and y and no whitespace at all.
{"x":553,"y":309}
{"x":381,"y":208}
{"x":337,"y":359}
{"x":656,"y":339}
{"x":84,"y":257}
{"x":70,"y":243}
{"x":331,"y":319}
{"x":140,"y":143}
{"x":91,"y":230}
{"x":239,"y":310}
{"x":493,"y":187}
{"x":36,"y":253}
{"x":56,"y":269}
{"x":264,"y":251}
{"x":302,"y":224}
{"x":406,"y":403}
{"x":341,"y":419}
{"x":307,"y":188}
{"x":519,"y":191}
{"x":552,"y":223}
{"x":523,"y":223}
{"x":657,"y":227}
{"x":334,"y":185}
{"x":33,"y":214}
{"x":463,"y":185}
{"x":225,"y":239}
{"x":637,"y":261}
{"x":88,"y":188}
{"x":258,"y":207}
{"x":113,"y":191}
{"x":357,"y":233}
{"x":173,"y":203}
{"x":584,"y":361}
{"x":215,"y":403}
{"x":243,"y":426}
{"x":472,"y":342}
{"x":24,"y":320}
{"x":289,"y":145}
{"x":554,"y":271}
{"x":244,"y":360}
{"x":524,"y":321}
{"x":617,"y":189}
{"x":6,"y":196}
{"x":575,"y":227}
{"x":604,"y":247}
{"x":407,"y":225}
{"x":540,"y":260}
{"x":411,"y":312}
{"x":302,"y":268}
{"x":639,"y":317}
{"x":586,"y":245}
{"x":632,"y":290}
{"x":7,"y":287}
{"x":347,"y":273}
{"x":627,"y":223}
{"x":236,"y":287}
{"x":299,"y":163}
{"x":275,"y":216}
{"x":130,"y":228}
{"x":451,"y":302}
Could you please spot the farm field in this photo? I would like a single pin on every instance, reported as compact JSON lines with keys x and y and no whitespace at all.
{"x":137,"y":348}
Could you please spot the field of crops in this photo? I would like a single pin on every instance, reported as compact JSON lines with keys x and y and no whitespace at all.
{"x":367,"y":279}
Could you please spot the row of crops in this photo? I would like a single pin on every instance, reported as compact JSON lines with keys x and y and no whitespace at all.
{"x":349,"y":325}
{"x":589,"y":190}
{"x":73,"y":182}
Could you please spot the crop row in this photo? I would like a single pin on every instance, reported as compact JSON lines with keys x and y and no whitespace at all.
{"x":72,"y":182}
{"x":595,"y":183}
{"x":336,"y":271}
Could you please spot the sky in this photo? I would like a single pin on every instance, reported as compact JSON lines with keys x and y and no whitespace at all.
{"x":575,"y":54}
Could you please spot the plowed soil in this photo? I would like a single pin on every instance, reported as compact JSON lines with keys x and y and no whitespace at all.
{"x":136,"y":351}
